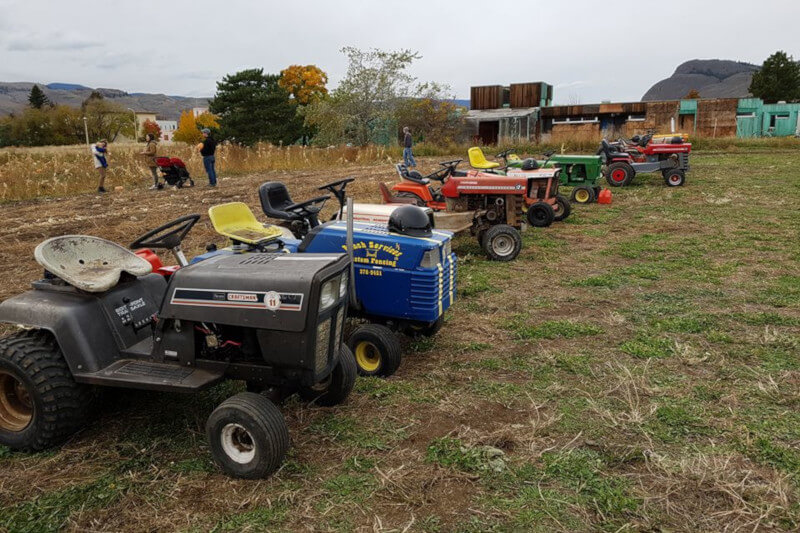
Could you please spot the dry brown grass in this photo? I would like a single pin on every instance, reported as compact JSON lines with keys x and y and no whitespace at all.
{"x":27,"y":173}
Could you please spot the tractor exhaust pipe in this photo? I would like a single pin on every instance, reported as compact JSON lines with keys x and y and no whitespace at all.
{"x":349,"y":242}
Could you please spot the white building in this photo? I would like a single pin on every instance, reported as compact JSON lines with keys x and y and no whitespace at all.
{"x":197,"y":111}
{"x":168,"y":128}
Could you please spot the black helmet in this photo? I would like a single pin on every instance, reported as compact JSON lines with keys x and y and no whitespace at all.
{"x":530,"y":164}
{"x":410,"y":220}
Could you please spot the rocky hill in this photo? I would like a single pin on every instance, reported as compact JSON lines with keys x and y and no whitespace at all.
{"x":14,"y":97}
{"x":712,"y":78}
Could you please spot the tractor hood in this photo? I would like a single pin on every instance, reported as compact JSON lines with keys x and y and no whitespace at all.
{"x":264,"y":291}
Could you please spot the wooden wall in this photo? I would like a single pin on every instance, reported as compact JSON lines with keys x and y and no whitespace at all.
{"x":722,"y":111}
{"x":486,"y":97}
{"x":526,"y":94}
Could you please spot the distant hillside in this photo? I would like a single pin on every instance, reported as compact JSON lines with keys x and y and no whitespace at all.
{"x":712,"y":78}
{"x":14,"y":97}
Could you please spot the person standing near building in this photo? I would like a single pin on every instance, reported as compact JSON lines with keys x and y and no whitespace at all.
{"x":408,"y":142}
{"x":207,"y":149}
{"x":99,"y":154}
{"x":149,"y":154}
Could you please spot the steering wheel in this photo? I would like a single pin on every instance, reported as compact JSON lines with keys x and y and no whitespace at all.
{"x":168,"y":236}
{"x":333,"y":185}
{"x":309,"y":205}
{"x":451,"y":164}
{"x":504,"y":154}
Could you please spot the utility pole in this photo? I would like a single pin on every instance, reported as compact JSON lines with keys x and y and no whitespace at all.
{"x":135,"y":126}
{"x":86,"y":130}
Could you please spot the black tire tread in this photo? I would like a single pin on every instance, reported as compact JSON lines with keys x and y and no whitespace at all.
{"x":385,"y":336}
{"x":342,"y":381}
{"x":492,"y":232}
{"x":269,"y":418}
{"x":66,"y":404}
{"x":566,"y":209}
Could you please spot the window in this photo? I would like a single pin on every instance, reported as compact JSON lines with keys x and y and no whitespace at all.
{"x":774,"y":118}
{"x":636,"y":118}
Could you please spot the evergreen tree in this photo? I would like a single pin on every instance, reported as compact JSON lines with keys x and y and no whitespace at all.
{"x":778,"y":79}
{"x":37,"y":99}
{"x":253,"y":107}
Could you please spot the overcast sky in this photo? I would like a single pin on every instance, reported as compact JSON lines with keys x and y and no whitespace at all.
{"x":589,"y":50}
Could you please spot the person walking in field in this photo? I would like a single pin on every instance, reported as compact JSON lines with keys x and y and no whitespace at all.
{"x":149,"y":153}
{"x":408,"y":142}
{"x":207,"y":148}
{"x":99,"y":155}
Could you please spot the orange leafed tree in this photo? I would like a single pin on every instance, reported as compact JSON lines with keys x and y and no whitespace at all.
{"x":187,"y":131}
{"x":151,"y":127}
{"x":306,"y":83}
{"x":207,"y":120}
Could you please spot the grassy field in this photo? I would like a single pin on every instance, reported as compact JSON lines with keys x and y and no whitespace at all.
{"x":637,"y":368}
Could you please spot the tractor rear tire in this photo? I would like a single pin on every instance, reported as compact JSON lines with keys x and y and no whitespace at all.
{"x":583,"y":195}
{"x":41,"y":405}
{"x":248,"y":436}
{"x":674,"y":177}
{"x":502,"y":243}
{"x":620,"y":174}
{"x":540,"y":214}
{"x":419,"y":201}
{"x":377,"y":350}
{"x":564,"y":209}
{"x":337,"y":387}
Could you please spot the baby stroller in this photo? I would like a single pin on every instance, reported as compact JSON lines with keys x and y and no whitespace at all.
{"x":174,"y":172}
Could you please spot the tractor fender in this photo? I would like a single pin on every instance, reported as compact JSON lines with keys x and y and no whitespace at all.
{"x":76,"y":321}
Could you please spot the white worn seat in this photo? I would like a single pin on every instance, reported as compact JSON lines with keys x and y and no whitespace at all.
{"x":89,"y":263}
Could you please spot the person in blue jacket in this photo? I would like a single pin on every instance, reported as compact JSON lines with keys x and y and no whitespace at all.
{"x":99,"y":155}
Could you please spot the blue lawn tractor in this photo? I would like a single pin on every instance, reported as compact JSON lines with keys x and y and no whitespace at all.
{"x":403,"y":271}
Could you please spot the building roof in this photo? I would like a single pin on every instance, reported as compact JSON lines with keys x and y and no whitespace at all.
{"x":503,"y":112}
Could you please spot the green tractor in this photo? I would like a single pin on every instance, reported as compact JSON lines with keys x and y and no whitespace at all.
{"x":581,"y":172}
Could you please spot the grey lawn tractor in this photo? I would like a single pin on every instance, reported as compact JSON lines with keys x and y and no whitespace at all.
{"x":101,"y":317}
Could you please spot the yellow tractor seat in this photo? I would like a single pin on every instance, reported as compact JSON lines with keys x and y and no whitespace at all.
{"x":478,"y":160}
{"x":237,"y":222}
{"x":514,"y":157}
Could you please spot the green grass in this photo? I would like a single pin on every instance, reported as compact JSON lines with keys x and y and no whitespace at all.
{"x":636,"y":366}
{"x":521,"y":328}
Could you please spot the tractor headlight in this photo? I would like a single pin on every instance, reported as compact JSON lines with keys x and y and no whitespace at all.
{"x":330,"y":290}
{"x":343,"y":285}
{"x":430,"y":259}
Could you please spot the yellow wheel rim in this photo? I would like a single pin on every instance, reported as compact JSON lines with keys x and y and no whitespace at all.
{"x":16,"y":405}
{"x":368,"y":356}
{"x":582,"y":196}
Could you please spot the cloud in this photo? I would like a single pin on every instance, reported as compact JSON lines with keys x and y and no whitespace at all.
{"x":48,"y":43}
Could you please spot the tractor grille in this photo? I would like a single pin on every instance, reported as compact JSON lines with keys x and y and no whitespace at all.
{"x":434,"y":291}
{"x":329,"y":336}
{"x":323,"y":349}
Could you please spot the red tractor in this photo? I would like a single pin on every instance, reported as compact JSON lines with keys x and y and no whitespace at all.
{"x":668,"y":155}
{"x":499,"y":204}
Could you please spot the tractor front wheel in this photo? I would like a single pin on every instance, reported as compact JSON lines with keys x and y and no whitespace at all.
{"x":564,"y":208}
{"x":583,"y":195}
{"x":619,"y":174}
{"x":248,"y":436}
{"x":540,"y":214}
{"x":674,"y":177}
{"x":502,"y":243}
{"x":336,"y":388}
{"x":40,"y":402}
{"x":377,"y":350}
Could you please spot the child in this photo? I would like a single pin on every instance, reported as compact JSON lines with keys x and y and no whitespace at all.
{"x":99,"y":152}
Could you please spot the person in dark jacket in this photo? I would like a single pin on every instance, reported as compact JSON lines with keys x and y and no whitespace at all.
{"x":207,"y":149}
{"x":408,"y":142}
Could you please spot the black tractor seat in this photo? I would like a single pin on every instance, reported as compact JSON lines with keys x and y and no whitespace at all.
{"x":275,"y":199}
{"x":412,"y":175}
